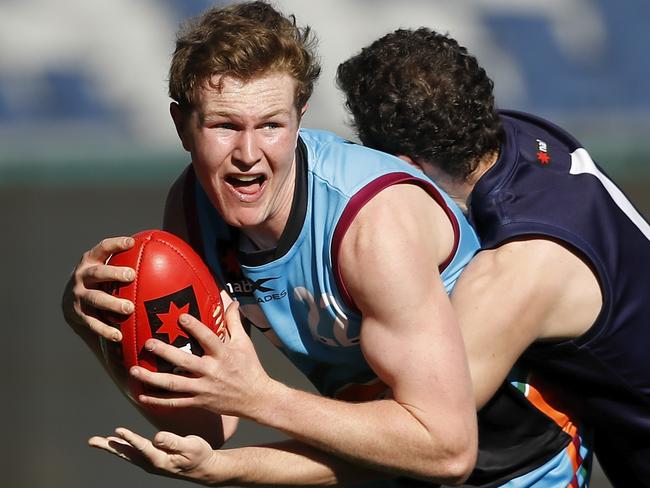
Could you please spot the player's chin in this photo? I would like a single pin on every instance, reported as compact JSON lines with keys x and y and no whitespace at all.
{"x":244,"y":216}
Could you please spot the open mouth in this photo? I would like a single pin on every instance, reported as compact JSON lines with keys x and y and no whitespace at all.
{"x":246,"y":186}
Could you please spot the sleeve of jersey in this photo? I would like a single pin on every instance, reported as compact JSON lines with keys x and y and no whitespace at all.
{"x":362,"y":197}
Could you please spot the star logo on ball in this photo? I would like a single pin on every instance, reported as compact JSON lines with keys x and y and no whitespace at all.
{"x":163,"y":313}
{"x":170,"y":322}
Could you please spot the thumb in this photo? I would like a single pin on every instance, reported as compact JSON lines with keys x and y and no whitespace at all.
{"x":167,"y":441}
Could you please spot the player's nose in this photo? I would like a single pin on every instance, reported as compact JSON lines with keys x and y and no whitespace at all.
{"x":247,"y":150}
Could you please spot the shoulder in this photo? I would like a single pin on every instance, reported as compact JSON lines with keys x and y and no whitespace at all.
{"x":531,"y":188}
{"x":399,"y":226}
{"x":343,"y":162}
{"x":534,"y":125}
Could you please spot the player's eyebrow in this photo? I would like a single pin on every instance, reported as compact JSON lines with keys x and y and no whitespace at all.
{"x":216,"y":114}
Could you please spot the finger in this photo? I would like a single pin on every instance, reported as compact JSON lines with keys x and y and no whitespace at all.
{"x":206,"y":337}
{"x":172,"y":383}
{"x":184,"y":360}
{"x":114,"y":445}
{"x":225,"y":298}
{"x":101,"y":329}
{"x":100,"y":300}
{"x":169,"y":442}
{"x":99,"y":321}
{"x":140,"y":443}
{"x":168,"y":401}
{"x":102,"y":442}
{"x":183,"y":449}
{"x":110,"y":245}
{"x":137,"y":449}
{"x":103,"y":273}
{"x":233,"y":321}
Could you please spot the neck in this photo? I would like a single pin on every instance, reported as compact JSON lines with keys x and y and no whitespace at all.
{"x":482,"y":167}
{"x":460,"y":189}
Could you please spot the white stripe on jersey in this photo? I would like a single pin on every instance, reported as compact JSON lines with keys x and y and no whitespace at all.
{"x":582,"y":163}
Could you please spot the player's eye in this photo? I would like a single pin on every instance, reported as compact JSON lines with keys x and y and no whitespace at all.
{"x":225,"y":126}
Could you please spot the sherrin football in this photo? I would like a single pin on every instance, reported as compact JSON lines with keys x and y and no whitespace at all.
{"x":171,"y":279}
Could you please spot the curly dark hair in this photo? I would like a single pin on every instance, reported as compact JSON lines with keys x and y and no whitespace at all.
{"x":242,"y":40}
{"x":419,"y":93}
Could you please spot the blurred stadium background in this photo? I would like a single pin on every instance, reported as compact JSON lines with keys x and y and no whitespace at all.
{"x":87,"y":150}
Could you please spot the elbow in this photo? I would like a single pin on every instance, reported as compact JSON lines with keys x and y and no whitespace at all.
{"x":461,"y":459}
{"x":458,"y":459}
{"x":459,"y":467}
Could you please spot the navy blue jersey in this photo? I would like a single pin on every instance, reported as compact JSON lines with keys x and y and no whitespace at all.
{"x":545,"y":184}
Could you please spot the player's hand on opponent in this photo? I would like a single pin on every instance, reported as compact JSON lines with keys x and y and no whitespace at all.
{"x":228,"y":379}
{"x":84,"y":300}
{"x":166,"y":454}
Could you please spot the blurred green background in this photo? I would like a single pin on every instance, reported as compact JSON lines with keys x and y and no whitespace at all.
{"x":87,"y":150}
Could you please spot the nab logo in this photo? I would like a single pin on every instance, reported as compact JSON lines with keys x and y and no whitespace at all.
{"x":163,"y":314}
{"x":542,"y":153}
{"x":248,"y":288}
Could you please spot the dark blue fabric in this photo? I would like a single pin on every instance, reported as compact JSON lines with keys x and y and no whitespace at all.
{"x":608,"y":368}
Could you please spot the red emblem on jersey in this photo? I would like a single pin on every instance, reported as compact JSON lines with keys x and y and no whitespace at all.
{"x":542,"y":153}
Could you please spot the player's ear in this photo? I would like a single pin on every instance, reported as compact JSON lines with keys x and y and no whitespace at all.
{"x":179,"y":117}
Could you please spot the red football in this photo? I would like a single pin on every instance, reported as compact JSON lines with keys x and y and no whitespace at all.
{"x":171,"y":279}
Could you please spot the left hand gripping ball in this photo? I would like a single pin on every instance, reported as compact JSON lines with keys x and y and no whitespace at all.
{"x":171,"y":279}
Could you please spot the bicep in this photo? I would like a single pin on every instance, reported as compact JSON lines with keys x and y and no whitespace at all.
{"x":418,"y":352}
{"x":409,"y":334}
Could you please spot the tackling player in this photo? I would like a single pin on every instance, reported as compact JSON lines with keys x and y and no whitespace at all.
{"x":564,"y":270}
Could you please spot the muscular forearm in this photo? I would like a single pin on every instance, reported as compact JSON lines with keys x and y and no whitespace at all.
{"x":380,"y":435}
{"x":289,"y":463}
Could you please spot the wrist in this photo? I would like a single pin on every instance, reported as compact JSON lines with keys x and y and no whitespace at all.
{"x":225,"y":467}
{"x":270,"y":403}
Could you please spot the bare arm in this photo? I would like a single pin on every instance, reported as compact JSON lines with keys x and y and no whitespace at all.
{"x":409,"y":337}
{"x":192,"y":458}
{"x":522,"y":292}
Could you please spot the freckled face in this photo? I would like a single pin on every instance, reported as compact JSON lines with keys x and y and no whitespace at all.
{"x":242,"y":140}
